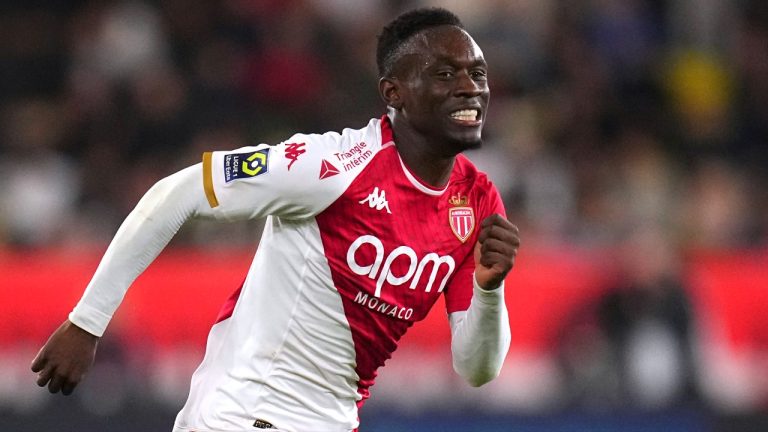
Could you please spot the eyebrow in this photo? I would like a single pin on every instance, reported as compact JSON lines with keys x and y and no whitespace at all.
{"x":477,"y":61}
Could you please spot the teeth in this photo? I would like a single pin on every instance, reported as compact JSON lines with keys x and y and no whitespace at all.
{"x":465,"y":115}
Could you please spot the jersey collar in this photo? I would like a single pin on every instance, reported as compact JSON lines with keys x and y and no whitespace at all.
{"x":387,"y":138}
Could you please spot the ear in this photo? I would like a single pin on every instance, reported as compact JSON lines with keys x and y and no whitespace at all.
{"x":389,"y":90}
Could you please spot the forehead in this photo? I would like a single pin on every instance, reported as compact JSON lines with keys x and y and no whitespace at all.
{"x":447,"y":43}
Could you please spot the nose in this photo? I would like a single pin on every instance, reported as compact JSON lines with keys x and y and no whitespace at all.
{"x":468,"y":87}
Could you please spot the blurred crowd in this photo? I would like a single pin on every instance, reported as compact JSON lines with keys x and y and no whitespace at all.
{"x":607,"y":117}
{"x":638,"y":126}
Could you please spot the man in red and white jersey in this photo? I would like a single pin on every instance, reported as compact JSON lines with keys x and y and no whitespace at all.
{"x":365,"y":229}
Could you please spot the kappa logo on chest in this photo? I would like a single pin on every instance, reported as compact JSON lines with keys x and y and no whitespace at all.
{"x":377,"y":200}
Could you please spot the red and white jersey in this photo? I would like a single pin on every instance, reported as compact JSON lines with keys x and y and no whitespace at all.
{"x":355,"y":250}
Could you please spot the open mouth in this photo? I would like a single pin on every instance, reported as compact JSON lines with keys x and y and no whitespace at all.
{"x":467,"y":116}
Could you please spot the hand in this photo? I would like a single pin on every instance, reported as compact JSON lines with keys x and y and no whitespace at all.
{"x":495,"y":251}
{"x":65,"y":358}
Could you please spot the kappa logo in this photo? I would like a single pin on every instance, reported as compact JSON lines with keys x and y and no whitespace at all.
{"x":377,"y":199}
{"x":293,"y":151}
{"x":327,"y":170}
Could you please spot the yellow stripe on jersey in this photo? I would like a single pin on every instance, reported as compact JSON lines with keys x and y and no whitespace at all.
{"x":208,"y":180}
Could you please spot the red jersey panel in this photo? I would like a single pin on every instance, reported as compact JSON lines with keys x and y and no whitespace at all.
{"x":394,"y":245}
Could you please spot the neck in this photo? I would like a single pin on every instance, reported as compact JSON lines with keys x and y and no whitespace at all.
{"x":420,"y":156}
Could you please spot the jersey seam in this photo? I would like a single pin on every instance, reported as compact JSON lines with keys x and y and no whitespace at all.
{"x":292,"y":320}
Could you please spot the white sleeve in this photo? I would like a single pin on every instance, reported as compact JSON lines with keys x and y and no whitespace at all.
{"x":284,"y":180}
{"x":480,"y":336}
{"x":288,"y":180}
{"x":144,"y":233}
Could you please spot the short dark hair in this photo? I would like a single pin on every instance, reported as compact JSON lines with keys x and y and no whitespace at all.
{"x":403,"y":27}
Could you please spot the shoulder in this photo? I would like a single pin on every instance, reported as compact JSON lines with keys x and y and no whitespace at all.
{"x":297,"y":177}
{"x":310,"y":152}
{"x":308,"y":166}
{"x":477,"y":184}
{"x":368,"y":136}
{"x":466,"y":172}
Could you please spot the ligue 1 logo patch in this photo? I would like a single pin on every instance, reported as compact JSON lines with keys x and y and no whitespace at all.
{"x":245,"y":165}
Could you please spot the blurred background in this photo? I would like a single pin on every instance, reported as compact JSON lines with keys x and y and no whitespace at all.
{"x":629,"y":139}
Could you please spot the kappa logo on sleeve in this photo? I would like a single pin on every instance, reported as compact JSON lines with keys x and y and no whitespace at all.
{"x":293,"y":151}
{"x":245,"y":165}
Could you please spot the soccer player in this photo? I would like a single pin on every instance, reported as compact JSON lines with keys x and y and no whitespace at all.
{"x":365,"y":229}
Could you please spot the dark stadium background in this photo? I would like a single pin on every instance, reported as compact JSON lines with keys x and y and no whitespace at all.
{"x":629,"y":139}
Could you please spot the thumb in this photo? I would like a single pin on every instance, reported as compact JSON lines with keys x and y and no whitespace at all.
{"x":39,"y":361}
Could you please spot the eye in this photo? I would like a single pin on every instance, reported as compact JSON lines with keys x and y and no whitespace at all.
{"x":479,"y":75}
{"x":445,"y":74}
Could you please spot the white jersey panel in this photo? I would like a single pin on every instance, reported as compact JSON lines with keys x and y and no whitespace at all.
{"x":258,"y":364}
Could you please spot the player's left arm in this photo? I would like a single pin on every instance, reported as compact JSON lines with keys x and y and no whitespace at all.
{"x":480,"y":336}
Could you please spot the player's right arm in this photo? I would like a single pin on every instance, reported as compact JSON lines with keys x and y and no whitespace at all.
{"x":69,"y":352}
{"x":246,"y":183}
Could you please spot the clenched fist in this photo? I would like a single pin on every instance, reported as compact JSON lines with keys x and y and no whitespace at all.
{"x":495,"y":251}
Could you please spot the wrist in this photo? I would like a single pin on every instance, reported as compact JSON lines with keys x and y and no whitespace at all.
{"x":487,"y":284}
{"x":491,"y":296}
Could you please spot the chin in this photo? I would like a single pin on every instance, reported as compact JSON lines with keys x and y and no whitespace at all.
{"x":475,"y":143}
{"x":468,"y":143}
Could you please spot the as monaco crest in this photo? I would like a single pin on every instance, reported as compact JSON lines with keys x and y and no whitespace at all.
{"x":462,"y":220}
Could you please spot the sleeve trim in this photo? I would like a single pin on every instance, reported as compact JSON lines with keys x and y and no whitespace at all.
{"x":89,"y":319}
{"x":210,"y":194}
